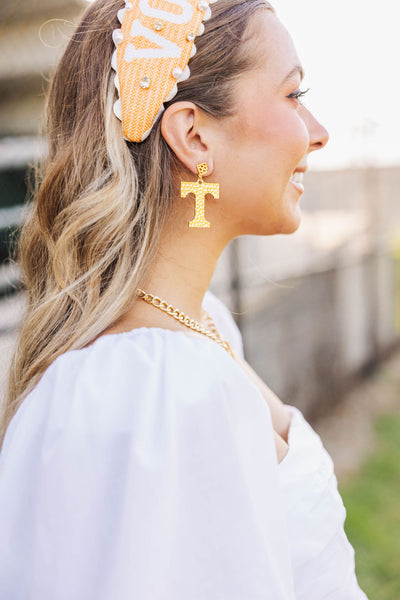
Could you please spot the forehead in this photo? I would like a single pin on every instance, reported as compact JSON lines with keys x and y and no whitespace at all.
{"x":274,"y":50}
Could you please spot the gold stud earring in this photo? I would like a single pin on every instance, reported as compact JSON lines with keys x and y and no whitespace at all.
{"x":200,"y":188}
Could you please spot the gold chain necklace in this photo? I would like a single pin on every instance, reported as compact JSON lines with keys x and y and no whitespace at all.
{"x":187,"y":321}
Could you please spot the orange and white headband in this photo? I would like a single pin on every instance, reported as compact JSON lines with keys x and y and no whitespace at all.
{"x":153,"y":48}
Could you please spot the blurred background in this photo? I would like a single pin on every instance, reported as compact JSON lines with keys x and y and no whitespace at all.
{"x":319,"y":310}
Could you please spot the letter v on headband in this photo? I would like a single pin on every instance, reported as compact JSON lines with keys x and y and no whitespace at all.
{"x":167,"y":48}
{"x":187,"y":11}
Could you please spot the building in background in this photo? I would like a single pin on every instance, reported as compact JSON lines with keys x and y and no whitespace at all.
{"x":33,"y":35}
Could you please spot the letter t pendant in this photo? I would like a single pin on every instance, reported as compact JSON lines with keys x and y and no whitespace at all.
{"x":200,"y":189}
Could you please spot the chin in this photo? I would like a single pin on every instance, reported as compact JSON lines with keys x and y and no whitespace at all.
{"x":291,"y":221}
{"x":291,"y":227}
{"x":287,"y":221}
{"x":285,"y":228}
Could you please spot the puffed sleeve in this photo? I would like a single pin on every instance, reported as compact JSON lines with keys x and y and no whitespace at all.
{"x":143,"y":467}
{"x":322,"y":556}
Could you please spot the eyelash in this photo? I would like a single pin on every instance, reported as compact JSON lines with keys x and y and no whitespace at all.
{"x":298,"y":94}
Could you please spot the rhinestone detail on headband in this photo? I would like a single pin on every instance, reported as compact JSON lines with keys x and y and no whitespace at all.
{"x":145,"y":82}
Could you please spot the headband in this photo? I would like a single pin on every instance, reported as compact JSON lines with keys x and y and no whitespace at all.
{"x":153,"y":48}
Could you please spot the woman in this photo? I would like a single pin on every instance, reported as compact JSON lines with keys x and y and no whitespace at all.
{"x":142,"y":456}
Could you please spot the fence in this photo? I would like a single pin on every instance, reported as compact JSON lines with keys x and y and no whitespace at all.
{"x":313,"y":334}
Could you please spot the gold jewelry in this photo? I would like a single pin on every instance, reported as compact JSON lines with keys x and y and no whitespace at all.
{"x":187,"y":321}
{"x":200,"y":188}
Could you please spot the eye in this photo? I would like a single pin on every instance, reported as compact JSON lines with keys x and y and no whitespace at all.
{"x":298,"y":94}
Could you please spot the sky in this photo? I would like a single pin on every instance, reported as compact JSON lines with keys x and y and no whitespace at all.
{"x":350,"y":50}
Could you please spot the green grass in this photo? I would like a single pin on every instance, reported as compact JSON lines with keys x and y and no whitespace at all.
{"x":372,"y":500}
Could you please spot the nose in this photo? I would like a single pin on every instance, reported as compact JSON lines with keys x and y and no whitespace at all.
{"x":319,"y":136}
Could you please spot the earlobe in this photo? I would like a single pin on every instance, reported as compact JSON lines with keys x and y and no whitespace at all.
{"x":181,"y":129}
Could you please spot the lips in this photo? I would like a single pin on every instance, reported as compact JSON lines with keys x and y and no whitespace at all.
{"x":297,"y":178}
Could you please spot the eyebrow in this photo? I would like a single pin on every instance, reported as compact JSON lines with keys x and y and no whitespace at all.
{"x":297,"y":69}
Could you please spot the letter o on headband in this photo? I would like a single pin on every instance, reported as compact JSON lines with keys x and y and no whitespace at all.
{"x":153,"y":48}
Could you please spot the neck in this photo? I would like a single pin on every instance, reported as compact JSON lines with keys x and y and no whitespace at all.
{"x":183,"y":269}
{"x":180,"y":275}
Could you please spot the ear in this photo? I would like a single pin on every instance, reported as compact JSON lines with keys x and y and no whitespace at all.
{"x":184,"y":128}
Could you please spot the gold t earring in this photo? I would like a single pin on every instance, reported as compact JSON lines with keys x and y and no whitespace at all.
{"x":199,"y":188}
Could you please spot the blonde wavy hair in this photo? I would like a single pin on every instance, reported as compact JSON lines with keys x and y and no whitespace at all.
{"x":100,"y":203}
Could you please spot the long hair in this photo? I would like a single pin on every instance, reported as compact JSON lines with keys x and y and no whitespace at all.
{"x":100,"y":202}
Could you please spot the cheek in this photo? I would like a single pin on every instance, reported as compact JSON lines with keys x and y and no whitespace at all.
{"x":257,"y":157}
{"x":276,"y":129}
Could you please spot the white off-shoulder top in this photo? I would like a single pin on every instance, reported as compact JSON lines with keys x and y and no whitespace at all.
{"x":144,"y":468}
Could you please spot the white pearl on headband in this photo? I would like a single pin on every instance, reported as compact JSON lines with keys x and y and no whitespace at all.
{"x":114,"y":60}
{"x":207,"y":14}
{"x":129,"y":5}
{"x":145,"y":82}
{"x":117,"y":36}
{"x":121,"y":14}
{"x":177,"y":72}
{"x":118,"y":109}
{"x":158,"y":25}
{"x":202,"y":5}
{"x":172,"y":93}
{"x":190,"y":37}
{"x":186,"y":74}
